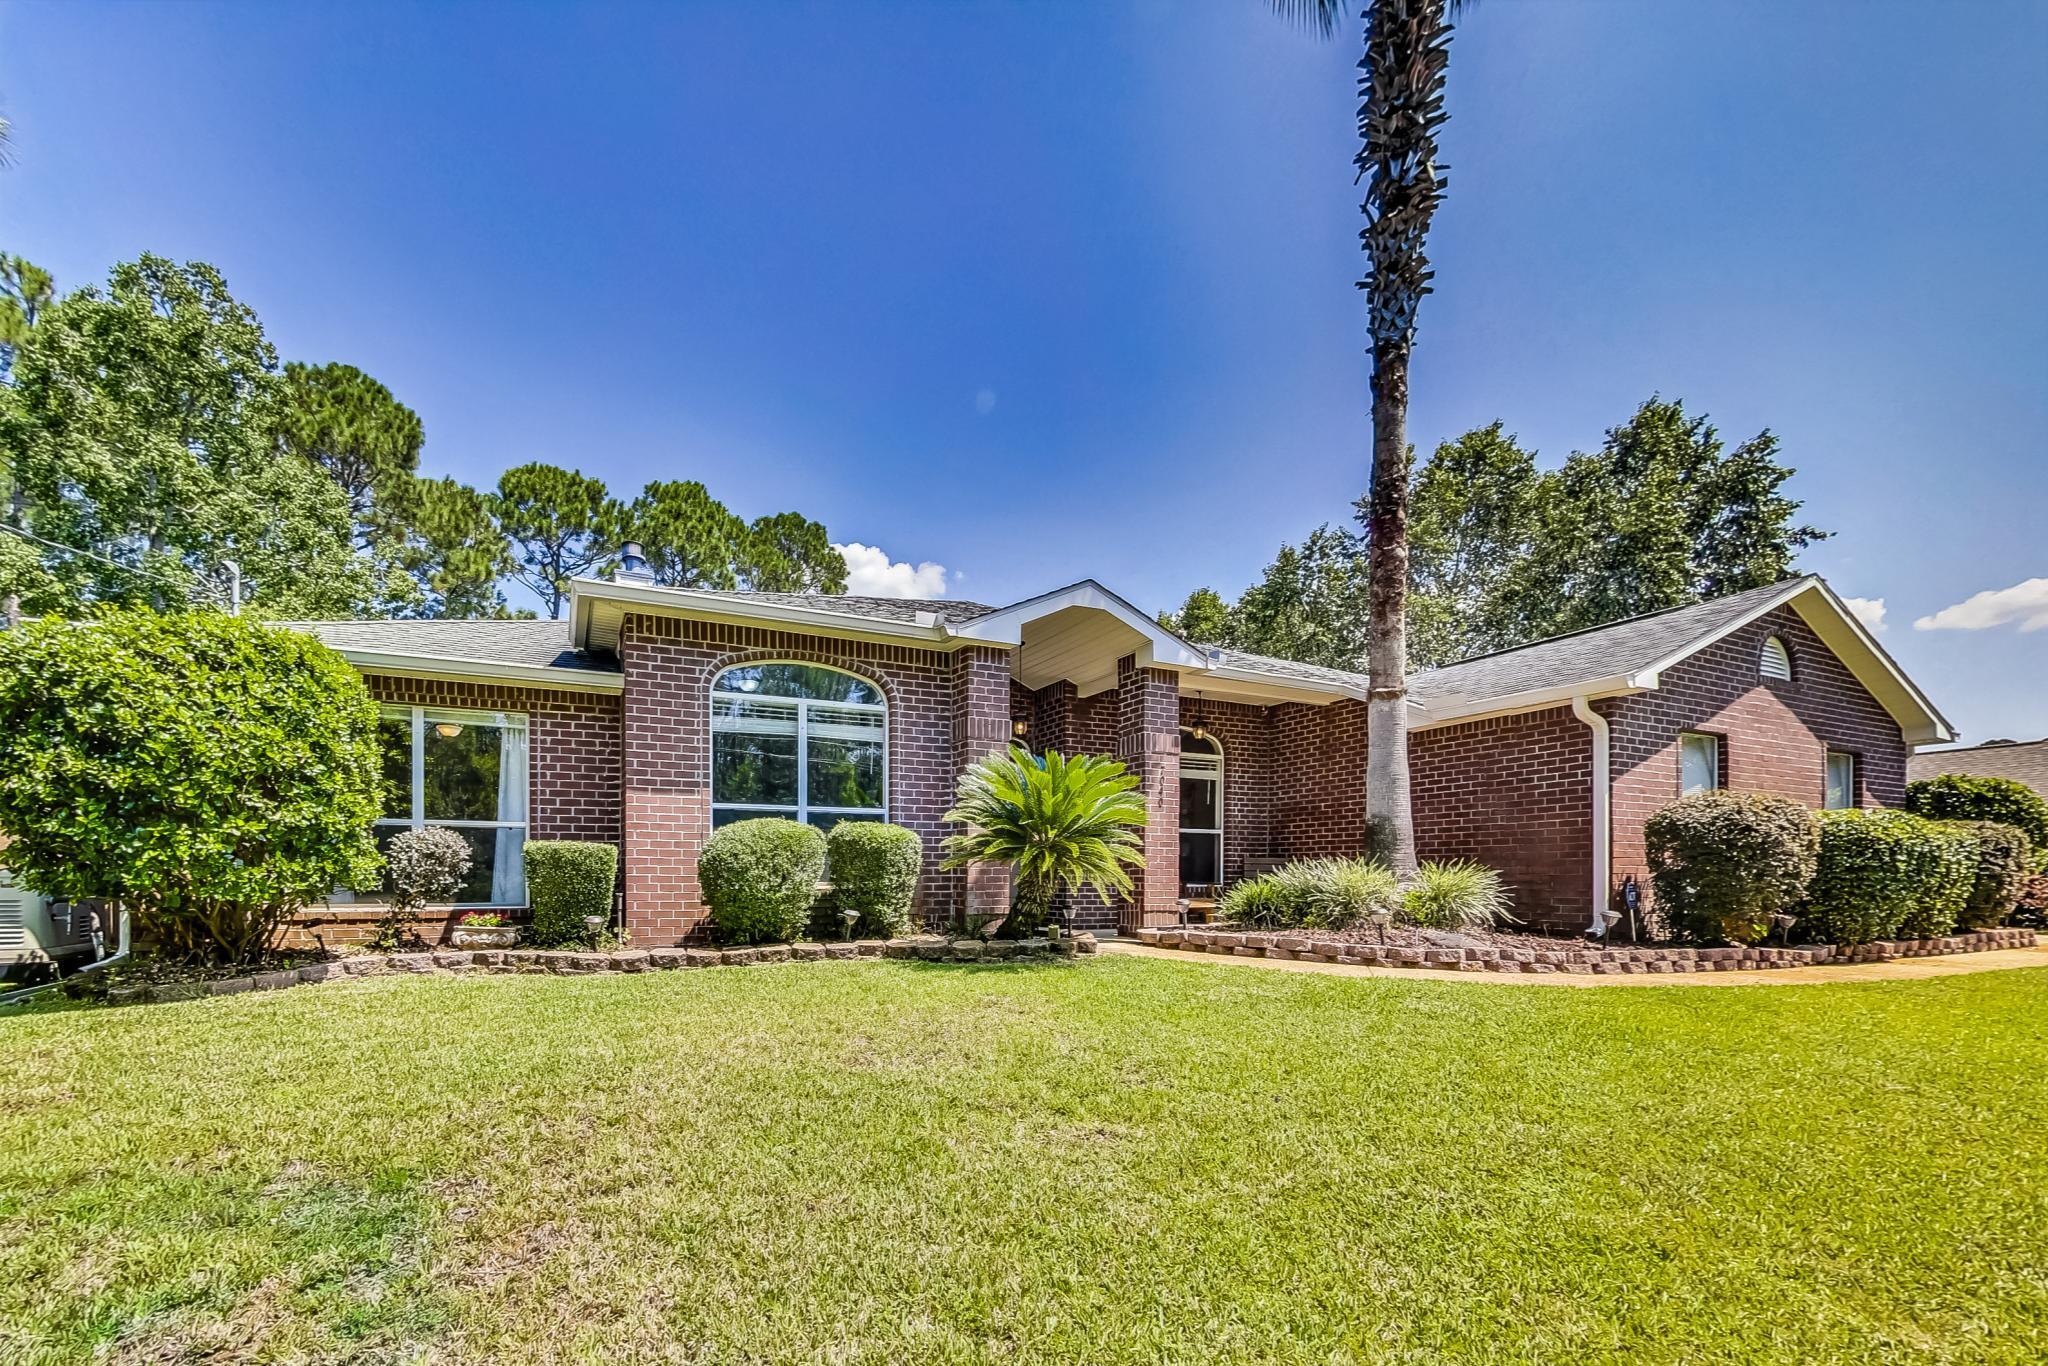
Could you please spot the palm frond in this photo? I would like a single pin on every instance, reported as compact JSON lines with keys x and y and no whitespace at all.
{"x":1067,"y":823}
{"x":1318,"y":16}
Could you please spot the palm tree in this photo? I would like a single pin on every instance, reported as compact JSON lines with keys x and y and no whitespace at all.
{"x":1400,"y":109}
{"x":1060,"y":823}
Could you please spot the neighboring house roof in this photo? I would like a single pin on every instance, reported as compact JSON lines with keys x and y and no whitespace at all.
{"x":2026,"y":762}
{"x":498,"y":651}
{"x":1078,"y":631}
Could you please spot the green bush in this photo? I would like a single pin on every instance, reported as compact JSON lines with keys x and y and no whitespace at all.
{"x":760,"y":878}
{"x":2005,"y":865}
{"x":1963,"y":797}
{"x":1256,"y":902}
{"x":568,"y":881}
{"x":1723,"y":863}
{"x":1316,"y":894}
{"x":211,"y":774}
{"x":1887,"y":875}
{"x":1457,"y":895}
{"x":873,"y":868}
{"x":420,"y":867}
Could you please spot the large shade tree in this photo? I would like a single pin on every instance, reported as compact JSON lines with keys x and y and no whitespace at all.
{"x":561,"y":524}
{"x":1400,"y":109}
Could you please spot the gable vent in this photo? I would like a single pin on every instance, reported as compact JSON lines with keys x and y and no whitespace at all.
{"x":1775,"y":662}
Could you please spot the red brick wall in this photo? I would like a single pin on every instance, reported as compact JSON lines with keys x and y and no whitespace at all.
{"x":1241,"y":732}
{"x":1776,"y":734}
{"x":1515,"y":793}
{"x":982,"y":696}
{"x":669,"y":667}
{"x":1318,"y":766}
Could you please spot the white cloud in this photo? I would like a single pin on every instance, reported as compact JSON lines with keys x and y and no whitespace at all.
{"x":870,"y":573}
{"x":1869,"y":611}
{"x":2025,"y":604}
{"x":984,"y":401}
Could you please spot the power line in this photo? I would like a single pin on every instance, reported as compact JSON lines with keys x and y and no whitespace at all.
{"x":180,"y":584}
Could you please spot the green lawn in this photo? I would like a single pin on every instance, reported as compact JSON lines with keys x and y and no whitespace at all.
{"x":1120,"y":1160}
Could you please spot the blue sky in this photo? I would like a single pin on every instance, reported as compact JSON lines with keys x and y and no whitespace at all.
{"x":1037,"y":291}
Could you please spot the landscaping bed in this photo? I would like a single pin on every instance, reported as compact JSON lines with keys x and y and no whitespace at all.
{"x":1493,"y":951}
{"x":169,"y":985}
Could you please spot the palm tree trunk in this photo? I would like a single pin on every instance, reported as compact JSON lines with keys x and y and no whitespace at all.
{"x":1389,"y":822}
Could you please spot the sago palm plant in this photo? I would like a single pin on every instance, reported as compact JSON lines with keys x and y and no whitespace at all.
{"x":1061,"y":823}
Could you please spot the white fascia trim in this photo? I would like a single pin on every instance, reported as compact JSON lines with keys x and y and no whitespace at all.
{"x":482,"y":670}
{"x":1700,"y":642}
{"x":1006,"y":627}
{"x":1536,"y":699}
{"x":1290,"y":683}
{"x":926,"y":629}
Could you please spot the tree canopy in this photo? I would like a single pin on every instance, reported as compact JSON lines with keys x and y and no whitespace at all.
{"x":1502,"y":553}
{"x":149,"y":438}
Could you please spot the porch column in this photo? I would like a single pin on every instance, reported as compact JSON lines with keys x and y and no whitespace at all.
{"x":981,"y":725}
{"x":1148,"y":741}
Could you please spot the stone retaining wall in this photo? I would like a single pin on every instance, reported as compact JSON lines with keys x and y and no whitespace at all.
{"x":581,"y":963}
{"x":1307,"y":947}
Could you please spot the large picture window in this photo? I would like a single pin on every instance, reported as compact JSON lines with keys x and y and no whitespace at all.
{"x":798,"y":740}
{"x":467,"y":771}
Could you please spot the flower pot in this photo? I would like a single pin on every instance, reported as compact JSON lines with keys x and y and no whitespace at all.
{"x":484,"y":936}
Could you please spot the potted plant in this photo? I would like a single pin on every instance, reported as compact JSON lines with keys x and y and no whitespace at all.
{"x":1061,"y":824}
{"x":483,"y":930}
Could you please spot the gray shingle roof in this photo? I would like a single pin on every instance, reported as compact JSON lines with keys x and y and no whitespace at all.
{"x":1622,"y":647}
{"x":1314,"y":674}
{"x":2026,"y":762}
{"x":534,"y":643}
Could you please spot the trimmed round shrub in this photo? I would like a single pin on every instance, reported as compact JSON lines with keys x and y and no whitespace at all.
{"x":1457,"y":895}
{"x":873,"y":868}
{"x":420,"y":868}
{"x":2005,"y":865}
{"x":760,"y":878}
{"x":1965,"y":797}
{"x":1943,"y":865}
{"x":1887,"y":875}
{"x":1723,"y":863}
{"x":210,"y":774}
{"x":567,"y":882}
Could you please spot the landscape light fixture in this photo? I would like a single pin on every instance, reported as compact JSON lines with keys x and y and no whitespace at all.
{"x":1380,"y":920}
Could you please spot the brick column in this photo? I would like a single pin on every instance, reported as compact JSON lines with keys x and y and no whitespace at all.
{"x":666,"y":777}
{"x":981,"y":725}
{"x":1148,"y":741}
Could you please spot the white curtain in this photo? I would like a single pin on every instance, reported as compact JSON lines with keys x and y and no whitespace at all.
{"x":508,"y":867}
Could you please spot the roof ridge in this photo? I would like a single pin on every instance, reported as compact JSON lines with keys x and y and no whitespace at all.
{"x":1618,"y":621}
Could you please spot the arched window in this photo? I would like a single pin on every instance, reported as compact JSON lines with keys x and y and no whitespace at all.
{"x":798,"y":740}
{"x":1201,"y":809}
{"x":1775,"y":661}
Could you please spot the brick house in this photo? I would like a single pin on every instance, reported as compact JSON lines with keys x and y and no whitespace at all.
{"x":653,"y":715}
{"x":2023,"y":761}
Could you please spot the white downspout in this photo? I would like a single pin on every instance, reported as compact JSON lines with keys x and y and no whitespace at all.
{"x":1603,"y":832}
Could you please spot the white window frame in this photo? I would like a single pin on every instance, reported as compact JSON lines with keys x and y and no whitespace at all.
{"x":1827,"y":781}
{"x":802,"y":810}
{"x":1713,"y":743}
{"x":1215,"y":776}
{"x":423,"y":716}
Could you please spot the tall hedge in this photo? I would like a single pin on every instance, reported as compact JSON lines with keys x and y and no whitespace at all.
{"x":568,"y":881}
{"x":1887,"y":875}
{"x":1966,"y":797}
{"x":2005,"y":865}
{"x":874,"y":868}
{"x":1723,"y":863}
{"x":211,"y":774}
{"x":760,"y":878}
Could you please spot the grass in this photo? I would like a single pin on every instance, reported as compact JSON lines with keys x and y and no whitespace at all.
{"x":1124,"y":1160}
